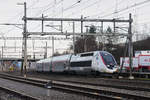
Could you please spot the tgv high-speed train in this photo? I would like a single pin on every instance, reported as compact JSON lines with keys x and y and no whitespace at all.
{"x":96,"y":61}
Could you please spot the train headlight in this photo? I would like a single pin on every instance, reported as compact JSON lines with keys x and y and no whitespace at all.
{"x":117,"y":68}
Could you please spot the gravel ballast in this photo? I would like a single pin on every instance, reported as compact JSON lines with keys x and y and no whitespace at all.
{"x":41,"y":93}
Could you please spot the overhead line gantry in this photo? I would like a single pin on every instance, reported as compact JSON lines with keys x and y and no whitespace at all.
{"x":81,"y":20}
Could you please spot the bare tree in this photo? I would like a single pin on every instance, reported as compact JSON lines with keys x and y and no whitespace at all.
{"x":86,"y":43}
{"x":111,"y":39}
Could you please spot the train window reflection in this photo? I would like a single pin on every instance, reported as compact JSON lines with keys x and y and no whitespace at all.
{"x":108,"y":59}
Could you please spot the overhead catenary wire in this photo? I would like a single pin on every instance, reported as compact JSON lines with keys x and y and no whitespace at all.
{"x":140,"y":23}
{"x":50,"y":6}
{"x":110,"y":8}
{"x":84,"y":7}
{"x":68,"y":8}
{"x":137,"y":8}
{"x":79,"y":1}
{"x":72,"y":6}
{"x":126,"y":8}
{"x":33,"y":4}
{"x":19,"y":18}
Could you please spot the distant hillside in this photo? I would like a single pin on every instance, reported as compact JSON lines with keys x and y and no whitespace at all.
{"x":142,"y":45}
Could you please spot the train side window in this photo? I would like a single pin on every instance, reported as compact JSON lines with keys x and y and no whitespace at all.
{"x":81,"y":64}
{"x":86,"y":54}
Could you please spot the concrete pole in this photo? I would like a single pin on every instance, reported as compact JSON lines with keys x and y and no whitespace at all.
{"x":82,"y":31}
{"x":2,"y":59}
{"x":42,"y":23}
{"x":114,"y":26}
{"x":22,"y":56}
{"x":85,"y":39}
{"x":33,"y":44}
{"x":52,"y":46}
{"x":15,"y":46}
{"x":25,"y":40}
{"x":81,"y":24}
{"x":61,"y":27}
{"x":73,"y":38}
{"x":45,"y":56}
{"x":85,"y":47}
{"x":103,"y":40}
{"x":130,"y":46}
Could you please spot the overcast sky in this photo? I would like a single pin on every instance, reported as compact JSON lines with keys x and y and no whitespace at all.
{"x":10,"y":12}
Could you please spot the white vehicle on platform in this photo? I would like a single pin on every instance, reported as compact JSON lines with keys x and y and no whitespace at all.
{"x":97,"y":61}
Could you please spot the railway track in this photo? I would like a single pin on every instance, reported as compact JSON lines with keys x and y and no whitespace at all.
{"x":111,"y":86}
{"x":23,"y":96}
{"x":91,"y":90}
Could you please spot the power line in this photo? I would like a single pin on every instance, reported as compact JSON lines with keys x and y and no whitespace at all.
{"x":49,"y":7}
{"x":86,"y":7}
{"x":108,"y":9}
{"x":122,"y":13}
{"x":13,"y":18}
{"x":70,"y":7}
{"x":128,"y":7}
{"x":33,"y":4}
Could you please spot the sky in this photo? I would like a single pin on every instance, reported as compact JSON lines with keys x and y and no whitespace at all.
{"x":11,"y":12}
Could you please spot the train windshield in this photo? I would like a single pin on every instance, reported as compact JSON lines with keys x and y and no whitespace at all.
{"x":108,"y":59}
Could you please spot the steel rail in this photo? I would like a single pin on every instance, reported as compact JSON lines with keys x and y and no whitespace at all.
{"x":111,"y":86}
{"x":80,"y":89}
{"x":93,"y":84}
{"x":16,"y":93}
{"x":43,"y":84}
{"x":117,"y":95}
